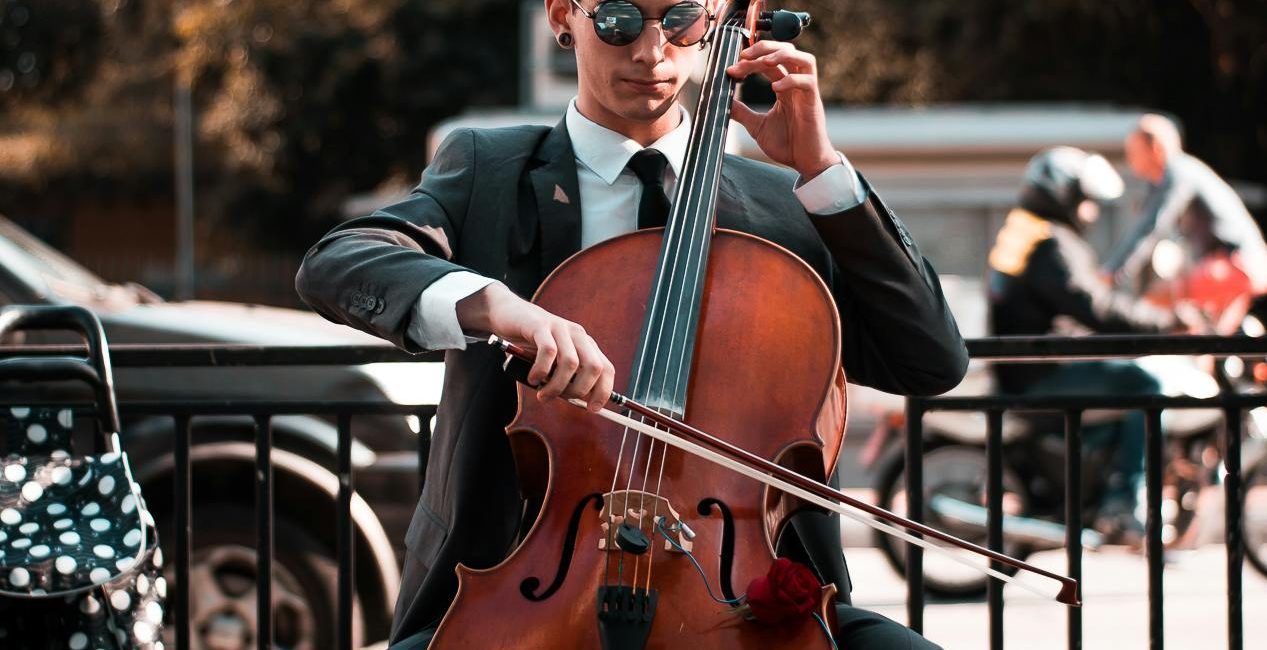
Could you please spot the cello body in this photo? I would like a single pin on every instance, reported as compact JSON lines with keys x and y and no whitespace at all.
{"x":769,"y":339}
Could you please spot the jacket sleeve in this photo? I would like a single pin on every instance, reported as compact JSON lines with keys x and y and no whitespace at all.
{"x":898,"y":334}
{"x":369,"y":272}
{"x":1076,"y":290}
{"x":1159,"y":220}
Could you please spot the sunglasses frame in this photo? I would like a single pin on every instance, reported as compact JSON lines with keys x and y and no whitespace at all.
{"x":709,"y":18}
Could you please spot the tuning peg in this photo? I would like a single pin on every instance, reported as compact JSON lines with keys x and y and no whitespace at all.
{"x":783,"y":25}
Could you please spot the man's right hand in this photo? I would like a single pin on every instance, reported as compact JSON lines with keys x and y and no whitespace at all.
{"x":569,"y":363}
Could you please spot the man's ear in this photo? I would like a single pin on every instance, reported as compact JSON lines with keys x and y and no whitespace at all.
{"x":557,"y":12}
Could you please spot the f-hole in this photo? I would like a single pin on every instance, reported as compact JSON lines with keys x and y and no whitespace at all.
{"x":727,"y":558}
{"x":529,"y":585}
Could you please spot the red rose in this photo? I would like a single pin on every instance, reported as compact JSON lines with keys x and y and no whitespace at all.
{"x":789,"y":591}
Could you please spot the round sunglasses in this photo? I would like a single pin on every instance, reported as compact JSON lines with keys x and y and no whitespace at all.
{"x":619,"y":22}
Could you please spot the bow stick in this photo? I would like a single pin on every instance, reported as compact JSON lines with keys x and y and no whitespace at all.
{"x":703,"y":445}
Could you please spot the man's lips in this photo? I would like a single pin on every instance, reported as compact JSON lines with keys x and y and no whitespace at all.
{"x":649,"y":85}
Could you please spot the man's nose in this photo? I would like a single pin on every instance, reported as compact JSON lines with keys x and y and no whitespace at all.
{"x":649,"y":47}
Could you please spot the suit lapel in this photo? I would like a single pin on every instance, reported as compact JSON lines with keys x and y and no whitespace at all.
{"x":558,"y":198}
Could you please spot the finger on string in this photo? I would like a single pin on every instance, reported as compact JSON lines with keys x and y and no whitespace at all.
{"x":745,"y":116}
{"x":764,"y":47}
{"x":794,"y":60}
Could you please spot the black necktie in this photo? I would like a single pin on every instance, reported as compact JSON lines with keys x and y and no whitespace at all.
{"x":653,"y":209}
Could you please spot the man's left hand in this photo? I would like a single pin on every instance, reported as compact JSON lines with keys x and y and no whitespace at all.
{"x":794,"y":131}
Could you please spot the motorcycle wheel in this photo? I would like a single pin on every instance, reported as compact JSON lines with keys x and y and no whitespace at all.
{"x":958,"y":471}
{"x":1254,"y":516}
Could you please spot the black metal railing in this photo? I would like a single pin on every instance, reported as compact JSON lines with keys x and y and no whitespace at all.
{"x":1015,"y":349}
{"x":1020,"y":349}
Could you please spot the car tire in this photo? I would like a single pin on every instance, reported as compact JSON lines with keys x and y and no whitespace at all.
{"x":222,"y":608}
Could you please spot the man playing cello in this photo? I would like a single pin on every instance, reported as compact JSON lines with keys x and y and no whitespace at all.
{"x":498,"y":209}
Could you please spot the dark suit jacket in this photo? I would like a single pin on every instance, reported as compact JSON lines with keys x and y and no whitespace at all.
{"x":486,"y":203}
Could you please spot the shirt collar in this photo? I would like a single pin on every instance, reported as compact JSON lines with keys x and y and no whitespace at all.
{"x":606,"y":152}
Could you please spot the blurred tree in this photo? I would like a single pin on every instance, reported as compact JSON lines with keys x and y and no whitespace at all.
{"x":1203,"y":60}
{"x":48,"y":49}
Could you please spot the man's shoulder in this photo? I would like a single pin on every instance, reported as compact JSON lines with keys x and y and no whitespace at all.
{"x":503,"y":142}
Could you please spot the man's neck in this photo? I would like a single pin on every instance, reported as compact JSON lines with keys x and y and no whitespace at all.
{"x":644,"y":133}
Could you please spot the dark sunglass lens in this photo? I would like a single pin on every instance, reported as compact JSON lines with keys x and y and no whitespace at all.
{"x":684,"y":23}
{"x":618,"y":23}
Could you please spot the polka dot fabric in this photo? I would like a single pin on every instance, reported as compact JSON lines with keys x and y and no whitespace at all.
{"x":79,"y":560}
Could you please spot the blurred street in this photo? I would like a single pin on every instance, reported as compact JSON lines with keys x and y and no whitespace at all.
{"x":1115,"y":611}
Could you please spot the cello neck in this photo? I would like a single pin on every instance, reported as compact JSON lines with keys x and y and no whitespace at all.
{"x":663,"y":362}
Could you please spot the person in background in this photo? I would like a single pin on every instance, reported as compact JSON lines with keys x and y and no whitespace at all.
{"x":1187,"y":203}
{"x":1042,"y":268}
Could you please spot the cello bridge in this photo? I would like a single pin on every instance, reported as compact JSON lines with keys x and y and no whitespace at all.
{"x":647,"y":512}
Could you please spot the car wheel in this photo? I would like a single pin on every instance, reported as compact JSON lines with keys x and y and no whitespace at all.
{"x":223,"y":580}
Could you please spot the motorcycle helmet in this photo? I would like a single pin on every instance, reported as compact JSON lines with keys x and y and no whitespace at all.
{"x":1059,"y":179}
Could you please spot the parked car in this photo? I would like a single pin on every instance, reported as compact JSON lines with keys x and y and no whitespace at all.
{"x":384,"y":453}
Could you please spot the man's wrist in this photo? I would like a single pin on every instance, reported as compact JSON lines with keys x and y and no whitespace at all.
{"x":811,"y":171}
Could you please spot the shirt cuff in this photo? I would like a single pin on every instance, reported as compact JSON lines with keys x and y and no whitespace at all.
{"x":836,"y":189}
{"x":435,"y":318}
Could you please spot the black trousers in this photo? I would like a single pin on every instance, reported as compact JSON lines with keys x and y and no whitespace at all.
{"x":858,"y":629}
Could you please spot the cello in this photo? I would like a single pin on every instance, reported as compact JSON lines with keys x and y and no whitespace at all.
{"x":639,"y":542}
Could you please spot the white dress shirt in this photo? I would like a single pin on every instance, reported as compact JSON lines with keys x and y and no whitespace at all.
{"x":609,"y":207}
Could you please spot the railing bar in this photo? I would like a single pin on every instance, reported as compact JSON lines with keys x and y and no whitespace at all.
{"x":1234,"y":501}
{"x":994,"y":519}
{"x":1073,"y":519}
{"x":346,"y":541}
{"x":183,"y":526}
{"x":1152,"y":472}
{"x":264,"y":532}
{"x":915,"y":512}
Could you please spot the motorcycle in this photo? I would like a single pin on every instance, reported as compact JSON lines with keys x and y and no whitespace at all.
{"x":1033,"y":454}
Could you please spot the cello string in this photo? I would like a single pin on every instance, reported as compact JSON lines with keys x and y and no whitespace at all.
{"x":715,"y":107}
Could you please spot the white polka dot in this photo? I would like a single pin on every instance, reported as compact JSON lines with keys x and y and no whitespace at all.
{"x":59,"y":454}
{"x":105,"y":485}
{"x":32,"y":491}
{"x":19,"y":577}
{"x":38,"y":591}
{"x":124,"y":563}
{"x":160,"y":585}
{"x":99,"y":525}
{"x":147,"y":518}
{"x":78,"y":641}
{"x":158,"y":557}
{"x":142,"y":584}
{"x":63,"y":524}
{"x":133,"y":537}
{"x":98,"y":576}
{"x":154,"y":613}
{"x":28,"y":528}
{"x":55,"y":509}
{"x":91,"y":508}
{"x":122,"y":636}
{"x":37,"y":434}
{"x":40,"y":551}
{"x":14,"y":472}
{"x":66,"y":564}
{"x":89,"y":605}
{"x":120,"y":600}
{"x":102,"y":551}
{"x":66,"y":418}
{"x":10,"y":516}
{"x":3,"y":535}
{"x":106,"y":459}
{"x":143,"y":631}
{"x":20,"y":412}
{"x":158,"y":645}
{"x":128,"y":504}
{"x":21,"y":543}
{"x":69,"y":538}
{"x":61,"y":475}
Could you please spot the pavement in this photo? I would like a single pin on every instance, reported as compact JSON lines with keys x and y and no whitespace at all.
{"x":1115,"y":607}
